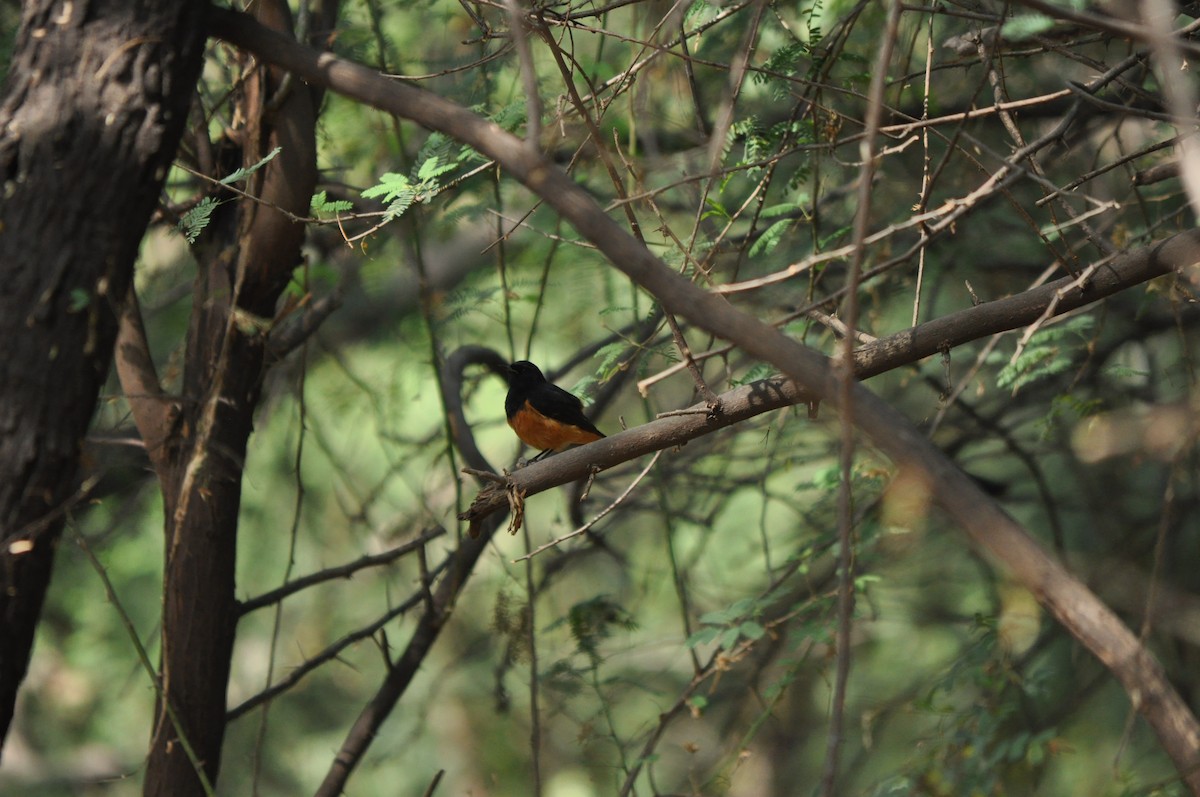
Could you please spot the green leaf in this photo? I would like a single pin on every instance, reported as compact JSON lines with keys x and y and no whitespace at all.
{"x":752,"y":630}
{"x":192,"y":223}
{"x":610,"y":357}
{"x":757,"y":372}
{"x":1124,"y":372}
{"x":742,"y":606}
{"x":79,"y":300}
{"x":322,"y":204}
{"x":770,"y":238}
{"x":243,"y":173}
{"x":391,"y":186}
{"x":827,"y":477}
{"x":395,"y":189}
{"x":785,"y":209}
{"x":397,"y":208}
{"x":1025,"y":26}
{"x":432,"y":168}
{"x":715,"y":208}
{"x":719,"y":617}
{"x":785,"y":60}
{"x":704,"y":636}
{"x":861,"y":582}
{"x":511,"y":116}
{"x":728,"y":638}
{"x":828,"y":240}
{"x":1045,"y":355}
{"x":700,"y":12}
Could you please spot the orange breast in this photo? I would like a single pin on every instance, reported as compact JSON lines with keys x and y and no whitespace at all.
{"x":544,"y":433}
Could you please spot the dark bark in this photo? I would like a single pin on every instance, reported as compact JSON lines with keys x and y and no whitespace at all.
{"x":93,"y":108}
{"x":247,"y":257}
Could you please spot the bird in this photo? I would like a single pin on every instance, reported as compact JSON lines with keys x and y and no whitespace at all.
{"x":543,"y":415}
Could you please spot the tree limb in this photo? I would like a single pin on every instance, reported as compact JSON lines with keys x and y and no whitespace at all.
{"x":153,"y":411}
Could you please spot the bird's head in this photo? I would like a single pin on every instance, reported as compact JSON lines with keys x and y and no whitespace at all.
{"x":524,"y":370}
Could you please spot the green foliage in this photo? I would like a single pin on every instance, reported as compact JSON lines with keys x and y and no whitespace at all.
{"x":756,"y":145}
{"x":1025,"y":26}
{"x":775,"y":233}
{"x":397,"y":190}
{"x":1066,"y":409}
{"x":977,"y":703}
{"x":610,"y":357}
{"x":699,"y":12}
{"x":786,"y":61}
{"x":322,"y":204}
{"x":757,"y":372}
{"x":193,"y":222}
{"x":715,"y":210}
{"x":80,"y":299}
{"x":726,"y":627}
{"x":239,"y":174}
{"x":594,"y":620}
{"x":1047,"y":353}
{"x":440,"y":155}
{"x":401,"y":192}
{"x":511,"y":117}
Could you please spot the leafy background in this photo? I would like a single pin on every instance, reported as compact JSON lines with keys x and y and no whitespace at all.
{"x":724,"y":552}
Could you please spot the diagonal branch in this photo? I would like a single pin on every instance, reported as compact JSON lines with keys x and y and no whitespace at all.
{"x":154,"y":412}
{"x":346,"y":570}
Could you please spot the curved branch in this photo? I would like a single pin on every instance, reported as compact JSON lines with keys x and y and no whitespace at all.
{"x":452,"y":379}
{"x":154,"y":412}
{"x":346,"y":570}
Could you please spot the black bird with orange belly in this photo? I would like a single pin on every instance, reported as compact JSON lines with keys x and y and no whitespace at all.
{"x":543,"y":415}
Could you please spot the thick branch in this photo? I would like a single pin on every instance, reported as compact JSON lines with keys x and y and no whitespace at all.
{"x":153,"y":411}
{"x":247,"y":257}
{"x":286,"y":338}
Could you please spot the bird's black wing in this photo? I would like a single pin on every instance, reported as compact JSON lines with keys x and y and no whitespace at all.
{"x":554,"y":402}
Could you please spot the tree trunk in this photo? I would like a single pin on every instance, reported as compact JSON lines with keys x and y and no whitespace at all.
{"x":95,"y":102}
{"x":247,"y":256}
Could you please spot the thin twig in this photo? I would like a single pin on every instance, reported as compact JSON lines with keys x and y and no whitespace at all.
{"x":144,"y":660}
{"x":341,"y":571}
{"x":847,"y":410}
{"x":535,"y":723}
{"x":330,"y":653}
{"x":533,"y":96}
{"x":1052,"y":309}
{"x":600,"y":515}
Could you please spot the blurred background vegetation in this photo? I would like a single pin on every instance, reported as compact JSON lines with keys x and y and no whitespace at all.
{"x":724,"y":552}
